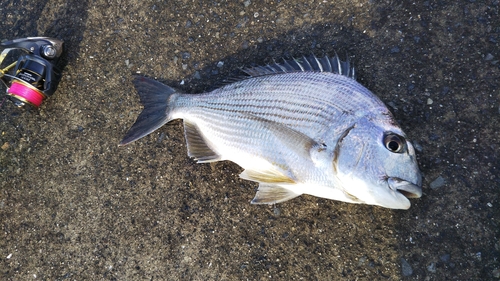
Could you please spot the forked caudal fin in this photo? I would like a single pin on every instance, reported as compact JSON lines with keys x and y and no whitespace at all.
{"x":155,"y":98}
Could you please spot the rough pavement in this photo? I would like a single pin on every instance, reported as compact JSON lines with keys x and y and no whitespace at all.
{"x":74,"y":205}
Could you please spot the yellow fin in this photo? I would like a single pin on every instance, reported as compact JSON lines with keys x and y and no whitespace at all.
{"x":272,"y":194}
{"x":266,"y":176}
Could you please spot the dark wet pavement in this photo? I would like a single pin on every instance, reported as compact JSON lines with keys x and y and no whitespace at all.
{"x":74,"y":205}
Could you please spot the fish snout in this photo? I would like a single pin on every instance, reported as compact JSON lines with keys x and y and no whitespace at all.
{"x":408,"y":189}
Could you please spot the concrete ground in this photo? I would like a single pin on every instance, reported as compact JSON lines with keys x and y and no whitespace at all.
{"x":74,"y":205}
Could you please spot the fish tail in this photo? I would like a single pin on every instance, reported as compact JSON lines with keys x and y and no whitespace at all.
{"x":156,"y":99}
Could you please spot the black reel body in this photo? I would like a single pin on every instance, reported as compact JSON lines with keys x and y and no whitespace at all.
{"x":34,"y":75}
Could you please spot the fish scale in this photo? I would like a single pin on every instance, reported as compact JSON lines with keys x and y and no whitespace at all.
{"x":301,"y":127}
{"x":282,"y":107}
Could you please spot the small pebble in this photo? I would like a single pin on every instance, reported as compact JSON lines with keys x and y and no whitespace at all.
{"x":406,"y":268}
{"x":392,"y":104}
{"x":160,"y":138}
{"x":489,"y":57}
{"x":445,"y":258}
{"x":197,"y":75}
{"x":220,"y":64}
{"x":429,"y":101}
{"x":437,"y":183}
{"x":478,"y":256}
{"x":5,"y":146}
{"x":496,"y":273}
{"x":431,"y":267}
{"x":433,"y":137}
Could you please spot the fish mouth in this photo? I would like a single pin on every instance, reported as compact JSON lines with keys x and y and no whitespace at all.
{"x":408,"y":189}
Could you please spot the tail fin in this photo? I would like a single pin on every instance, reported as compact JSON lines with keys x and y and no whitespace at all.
{"x":155,"y":98}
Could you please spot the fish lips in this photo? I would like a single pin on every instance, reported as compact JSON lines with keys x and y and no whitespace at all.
{"x":408,"y":189}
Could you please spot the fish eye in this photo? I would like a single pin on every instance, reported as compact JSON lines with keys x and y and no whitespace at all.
{"x":394,"y":143}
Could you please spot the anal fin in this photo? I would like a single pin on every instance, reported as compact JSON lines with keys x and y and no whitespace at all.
{"x":197,"y":146}
{"x":271,"y":194}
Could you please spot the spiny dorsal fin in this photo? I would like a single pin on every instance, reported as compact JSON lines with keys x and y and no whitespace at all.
{"x":305,"y":64}
{"x":197,"y":146}
{"x":271,"y":194}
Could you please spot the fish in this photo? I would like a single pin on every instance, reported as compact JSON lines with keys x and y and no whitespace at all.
{"x":302,"y":126}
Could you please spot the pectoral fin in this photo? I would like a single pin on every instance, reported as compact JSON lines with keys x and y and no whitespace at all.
{"x":271,"y":194}
{"x":294,"y":141}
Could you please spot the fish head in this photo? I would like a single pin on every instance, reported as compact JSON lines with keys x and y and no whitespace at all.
{"x":376,"y":164}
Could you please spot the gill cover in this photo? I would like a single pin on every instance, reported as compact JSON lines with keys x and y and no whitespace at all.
{"x":371,"y":173}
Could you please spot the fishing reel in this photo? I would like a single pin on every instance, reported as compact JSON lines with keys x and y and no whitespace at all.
{"x":28,"y":69}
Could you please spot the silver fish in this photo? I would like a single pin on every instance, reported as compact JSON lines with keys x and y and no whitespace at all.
{"x":298,"y":127}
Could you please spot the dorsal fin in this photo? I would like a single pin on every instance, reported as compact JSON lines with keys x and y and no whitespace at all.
{"x":305,"y":64}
